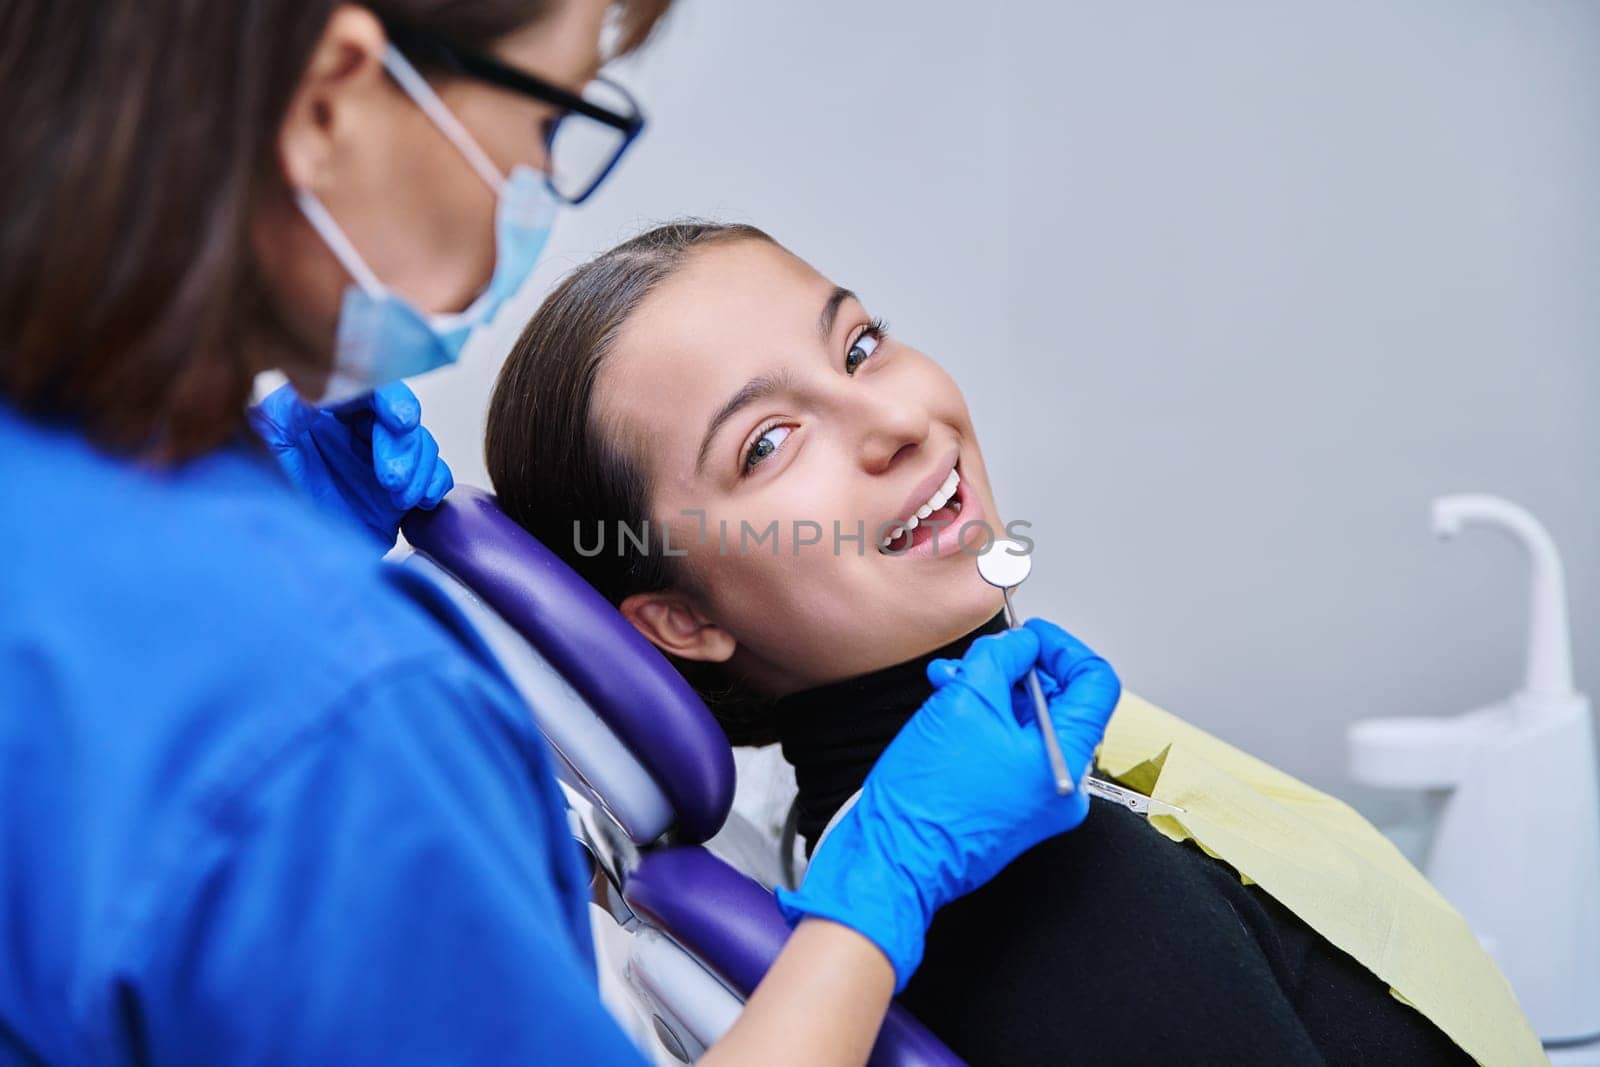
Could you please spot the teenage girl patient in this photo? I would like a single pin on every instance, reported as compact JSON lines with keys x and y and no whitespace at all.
{"x":703,"y":377}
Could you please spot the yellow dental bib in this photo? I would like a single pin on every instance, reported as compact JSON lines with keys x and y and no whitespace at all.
{"x":1328,"y":865}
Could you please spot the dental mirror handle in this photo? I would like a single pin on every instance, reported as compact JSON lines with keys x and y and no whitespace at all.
{"x":1041,"y":711}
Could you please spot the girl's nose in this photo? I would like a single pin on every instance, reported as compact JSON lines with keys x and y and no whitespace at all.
{"x":891,"y":430}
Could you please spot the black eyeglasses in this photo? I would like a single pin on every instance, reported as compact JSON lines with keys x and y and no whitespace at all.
{"x":584,"y":142}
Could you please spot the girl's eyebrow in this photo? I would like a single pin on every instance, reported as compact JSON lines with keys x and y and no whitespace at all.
{"x":758,"y":388}
{"x":830,"y":310}
{"x":765,"y":385}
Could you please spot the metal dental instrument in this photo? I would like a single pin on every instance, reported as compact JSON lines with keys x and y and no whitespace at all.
{"x":1005,"y":566}
{"x":1134,"y":802}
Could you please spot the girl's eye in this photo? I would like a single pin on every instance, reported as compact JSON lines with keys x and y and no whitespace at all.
{"x":764,"y":446}
{"x":864,"y":345}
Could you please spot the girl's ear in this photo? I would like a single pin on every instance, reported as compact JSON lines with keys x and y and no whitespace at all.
{"x":673,"y":624}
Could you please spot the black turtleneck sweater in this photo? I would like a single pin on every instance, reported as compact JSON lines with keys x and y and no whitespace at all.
{"x":1110,"y":944}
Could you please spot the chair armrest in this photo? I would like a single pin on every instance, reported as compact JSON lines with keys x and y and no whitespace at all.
{"x":732,"y":925}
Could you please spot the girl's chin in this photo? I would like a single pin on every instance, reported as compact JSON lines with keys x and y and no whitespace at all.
{"x":976,"y":604}
{"x":913,"y":638}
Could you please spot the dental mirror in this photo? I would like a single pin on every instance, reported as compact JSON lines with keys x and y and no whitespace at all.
{"x":1005,"y":566}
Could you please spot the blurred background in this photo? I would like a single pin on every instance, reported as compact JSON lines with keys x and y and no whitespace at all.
{"x":1233,"y":290}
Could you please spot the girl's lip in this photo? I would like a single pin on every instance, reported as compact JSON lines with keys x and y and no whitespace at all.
{"x":946,"y":541}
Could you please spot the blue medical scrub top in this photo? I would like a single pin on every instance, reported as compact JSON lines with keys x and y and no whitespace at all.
{"x":258,"y":802}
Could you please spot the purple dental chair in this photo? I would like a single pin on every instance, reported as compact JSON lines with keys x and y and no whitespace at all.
{"x":648,"y":775}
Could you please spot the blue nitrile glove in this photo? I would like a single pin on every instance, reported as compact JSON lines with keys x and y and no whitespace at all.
{"x":370,"y":459}
{"x":961,"y":791}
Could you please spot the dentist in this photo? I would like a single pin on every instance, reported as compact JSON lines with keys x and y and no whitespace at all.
{"x":260,"y":801}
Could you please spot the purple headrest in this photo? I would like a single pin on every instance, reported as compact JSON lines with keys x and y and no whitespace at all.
{"x":641,"y":697}
{"x":733,"y":925}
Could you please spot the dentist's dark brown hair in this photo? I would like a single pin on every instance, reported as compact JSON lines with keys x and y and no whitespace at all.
{"x":137,"y":143}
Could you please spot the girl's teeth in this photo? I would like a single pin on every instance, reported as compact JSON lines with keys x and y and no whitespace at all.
{"x":941,"y":496}
{"x":939,"y":499}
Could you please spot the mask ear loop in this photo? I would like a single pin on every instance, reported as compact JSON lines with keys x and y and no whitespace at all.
{"x":416,"y":87}
{"x":333,"y":236}
{"x":424,"y":97}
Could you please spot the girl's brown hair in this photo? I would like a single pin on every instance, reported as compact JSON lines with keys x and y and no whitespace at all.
{"x":557,"y":472}
{"x":138,"y":140}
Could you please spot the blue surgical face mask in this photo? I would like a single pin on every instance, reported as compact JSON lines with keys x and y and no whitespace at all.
{"x":383,"y":337}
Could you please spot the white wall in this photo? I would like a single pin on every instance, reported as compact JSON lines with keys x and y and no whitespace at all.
{"x":1233,"y":289}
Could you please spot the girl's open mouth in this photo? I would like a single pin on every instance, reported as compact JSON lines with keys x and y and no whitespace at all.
{"x":942,"y":512}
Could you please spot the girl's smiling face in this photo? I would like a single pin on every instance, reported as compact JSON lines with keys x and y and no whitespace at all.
{"x":751,"y":389}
